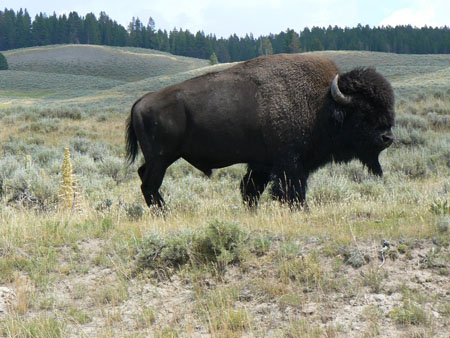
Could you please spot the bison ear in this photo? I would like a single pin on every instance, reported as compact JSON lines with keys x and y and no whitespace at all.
{"x":338,"y":116}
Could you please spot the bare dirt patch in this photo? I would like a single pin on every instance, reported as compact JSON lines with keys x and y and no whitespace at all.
{"x":308,"y":289}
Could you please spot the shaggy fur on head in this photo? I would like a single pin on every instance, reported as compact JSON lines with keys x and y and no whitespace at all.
{"x":372,"y":104}
{"x":367,"y":85}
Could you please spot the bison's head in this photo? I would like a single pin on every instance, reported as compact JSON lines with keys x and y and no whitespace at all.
{"x":364,"y":109}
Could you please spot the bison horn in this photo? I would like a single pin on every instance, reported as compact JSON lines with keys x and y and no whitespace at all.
{"x":337,"y":94}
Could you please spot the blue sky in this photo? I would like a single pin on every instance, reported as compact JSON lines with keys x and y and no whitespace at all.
{"x":259,"y":17}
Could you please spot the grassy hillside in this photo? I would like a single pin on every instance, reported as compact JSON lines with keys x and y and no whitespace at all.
{"x":390,"y":64}
{"x":369,"y":258}
{"x":409,"y":74}
{"x":52,"y":85}
{"x":118,"y":63}
{"x":54,"y":75}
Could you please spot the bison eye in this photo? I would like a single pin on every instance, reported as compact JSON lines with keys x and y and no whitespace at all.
{"x":383,"y":129}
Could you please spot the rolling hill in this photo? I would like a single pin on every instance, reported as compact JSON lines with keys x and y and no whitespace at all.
{"x":61,"y":73}
{"x":90,"y":73}
{"x":118,"y":63}
{"x":407,"y":73}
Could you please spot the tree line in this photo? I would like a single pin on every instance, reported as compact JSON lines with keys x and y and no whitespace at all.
{"x":18,"y":30}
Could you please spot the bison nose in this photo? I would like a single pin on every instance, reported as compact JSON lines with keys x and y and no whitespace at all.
{"x":387,"y":138}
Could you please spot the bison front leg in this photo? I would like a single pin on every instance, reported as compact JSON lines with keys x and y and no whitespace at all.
{"x":252,"y":186}
{"x":290,"y":187}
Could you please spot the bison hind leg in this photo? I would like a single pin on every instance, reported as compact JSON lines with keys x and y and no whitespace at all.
{"x":152,"y":177}
{"x":253,"y":185}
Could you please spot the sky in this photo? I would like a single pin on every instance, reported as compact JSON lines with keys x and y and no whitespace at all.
{"x":260,"y":17}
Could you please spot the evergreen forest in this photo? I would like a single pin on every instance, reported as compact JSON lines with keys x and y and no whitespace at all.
{"x":19,"y":30}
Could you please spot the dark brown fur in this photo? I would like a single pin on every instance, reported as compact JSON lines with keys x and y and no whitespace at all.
{"x":274,"y":113}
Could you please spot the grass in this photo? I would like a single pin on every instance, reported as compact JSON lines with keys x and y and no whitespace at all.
{"x":19,"y":83}
{"x":118,"y":63}
{"x":218,"y":309}
{"x":93,"y":77}
{"x":409,"y":314}
{"x":209,"y":266}
{"x":33,"y":328}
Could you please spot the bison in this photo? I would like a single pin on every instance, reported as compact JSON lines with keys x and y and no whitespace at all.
{"x":284,"y":115}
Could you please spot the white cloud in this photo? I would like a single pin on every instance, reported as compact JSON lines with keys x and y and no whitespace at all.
{"x":259,"y":17}
{"x":409,"y":16}
{"x":420,"y":13}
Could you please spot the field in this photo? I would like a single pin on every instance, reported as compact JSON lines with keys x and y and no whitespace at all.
{"x":369,"y":258}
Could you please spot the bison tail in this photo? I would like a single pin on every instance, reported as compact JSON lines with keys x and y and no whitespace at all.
{"x":132,"y":141}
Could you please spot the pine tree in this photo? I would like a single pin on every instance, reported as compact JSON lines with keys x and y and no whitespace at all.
{"x":91,"y":30}
{"x":75,"y":25}
{"x":52,"y":26}
{"x":248,"y":48}
{"x":23,"y":29}
{"x":201,"y":45}
{"x":62,"y":32}
{"x":162,"y":40}
{"x":3,"y":62}
{"x":151,"y":34}
{"x":265,"y":47}
{"x":234,"y":47}
{"x":222,"y":51}
{"x":213,"y":59}
{"x":316,"y":44}
{"x":39,"y":30}
{"x":291,"y":42}
{"x":8,"y":29}
{"x":105,"y":29}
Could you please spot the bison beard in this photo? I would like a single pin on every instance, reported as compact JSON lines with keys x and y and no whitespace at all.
{"x":283,"y":115}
